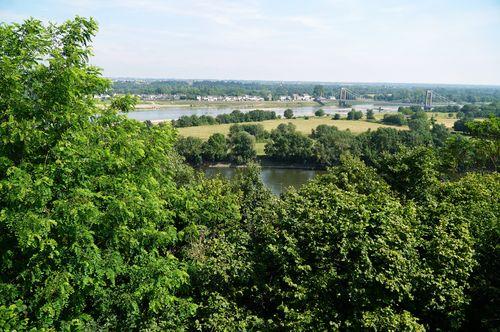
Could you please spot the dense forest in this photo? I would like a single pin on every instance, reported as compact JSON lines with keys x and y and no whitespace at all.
{"x":385,"y":92}
{"x":103,"y":226}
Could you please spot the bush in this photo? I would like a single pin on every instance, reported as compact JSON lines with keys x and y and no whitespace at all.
{"x":370,"y":115}
{"x":336,"y":116}
{"x":319,"y":112}
{"x":394,"y":119}
{"x":354,"y":115}
{"x":288,"y":113}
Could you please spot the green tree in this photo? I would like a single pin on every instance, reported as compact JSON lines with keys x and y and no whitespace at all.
{"x":288,"y":113}
{"x":94,"y":207}
{"x":242,"y":148}
{"x":215,"y":148}
{"x":318,"y":91}
{"x":319,"y":113}
{"x":287,"y":144}
{"x":354,"y":115}
{"x":191,"y":148}
{"x":370,"y":115}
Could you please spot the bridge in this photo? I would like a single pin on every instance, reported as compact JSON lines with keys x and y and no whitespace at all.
{"x":432,"y":99}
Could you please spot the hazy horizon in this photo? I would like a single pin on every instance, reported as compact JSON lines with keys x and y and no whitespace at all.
{"x":393,"y":42}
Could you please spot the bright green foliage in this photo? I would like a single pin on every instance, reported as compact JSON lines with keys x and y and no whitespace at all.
{"x":93,"y":206}
{"x":345,"y":249}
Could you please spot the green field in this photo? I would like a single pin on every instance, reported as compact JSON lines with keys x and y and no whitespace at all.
{"x":303,"y":125}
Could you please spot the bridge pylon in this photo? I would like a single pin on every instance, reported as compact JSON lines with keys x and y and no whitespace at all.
{"x":428,"y":99}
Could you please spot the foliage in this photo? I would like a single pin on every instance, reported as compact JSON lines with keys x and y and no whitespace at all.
{"x":370,"y":115}
{"x":288,"y":114}
{"x":394,"y":119}
{"x":354,"y":115}
{"x":191,"y":148}
{"x":215,"y":148}
{"x":319,"y":112}
{"x":287,"y":144}
{"x":242,"y":148}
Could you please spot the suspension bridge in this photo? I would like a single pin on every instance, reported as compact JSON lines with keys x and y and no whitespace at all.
{"x":432,"y":99}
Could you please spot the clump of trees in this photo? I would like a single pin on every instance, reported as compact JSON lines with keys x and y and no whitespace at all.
{"x":288,"y":114}
{"x":394,"y":119}
{"x":103,"y":227}
{"x":354,"y":115}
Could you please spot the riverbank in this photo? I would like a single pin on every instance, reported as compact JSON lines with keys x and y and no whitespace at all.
{"x":222,"y":104}
{"x":267,"y":163}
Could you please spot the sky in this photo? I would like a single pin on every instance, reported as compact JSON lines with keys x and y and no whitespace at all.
{"x":405,"y":41}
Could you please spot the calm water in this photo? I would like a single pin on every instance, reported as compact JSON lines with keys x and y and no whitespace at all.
{"x":276,"y":179}
{"x":173,"y":113}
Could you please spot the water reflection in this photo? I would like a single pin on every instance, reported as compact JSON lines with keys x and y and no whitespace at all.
{"x":276,"y":179}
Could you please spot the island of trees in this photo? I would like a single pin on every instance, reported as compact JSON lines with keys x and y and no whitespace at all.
{"x":103,"y":226}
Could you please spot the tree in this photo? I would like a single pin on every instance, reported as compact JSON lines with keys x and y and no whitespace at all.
{"x":336,"y":116}
{"x":370,"y":115}
{"x":394,"y":119}
{"x":354,"y":115}
{"x":330,"y":144}
{"x":319,"y":112}
{"x":286,"y":144}
{"x":95,"y":207}
{"x":242,"y":149}
{"x":191,"y":149}
{"x":318,"y":91}
{"x":288,"y":113}
{"x":344,"y":249}
{"x":215,"y":148}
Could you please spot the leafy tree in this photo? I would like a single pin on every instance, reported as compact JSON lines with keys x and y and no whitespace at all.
{"x":288,"y":113}
{"x":242,"y":149}
{"x":330,"y":144}
{"x":191,"y":148}
{"x":286,"y":144}
{"x":394,"y":119}
{"x":318,"y":91}
{"x":215,"y":148}
{"x":345,"y":249}
{"x":370,"y":115}
{"x":354,"y":115}
{"x":319,"y":112}
{"x":336,"y":116}
{"x":94,"y":207}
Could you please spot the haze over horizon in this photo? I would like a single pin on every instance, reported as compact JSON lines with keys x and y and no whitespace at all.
{"x":431,"y":42}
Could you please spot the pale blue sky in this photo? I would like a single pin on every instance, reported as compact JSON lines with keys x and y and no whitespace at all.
{"x":422,"y":41}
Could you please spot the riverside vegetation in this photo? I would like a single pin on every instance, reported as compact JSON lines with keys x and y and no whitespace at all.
{"x":104,"y":227}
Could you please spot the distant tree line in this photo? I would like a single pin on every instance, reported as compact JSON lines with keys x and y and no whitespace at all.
{"x":395,"y":92}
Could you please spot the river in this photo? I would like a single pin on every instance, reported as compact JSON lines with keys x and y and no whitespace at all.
{"x":174,"y":113}
{"x":276,"y":179}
